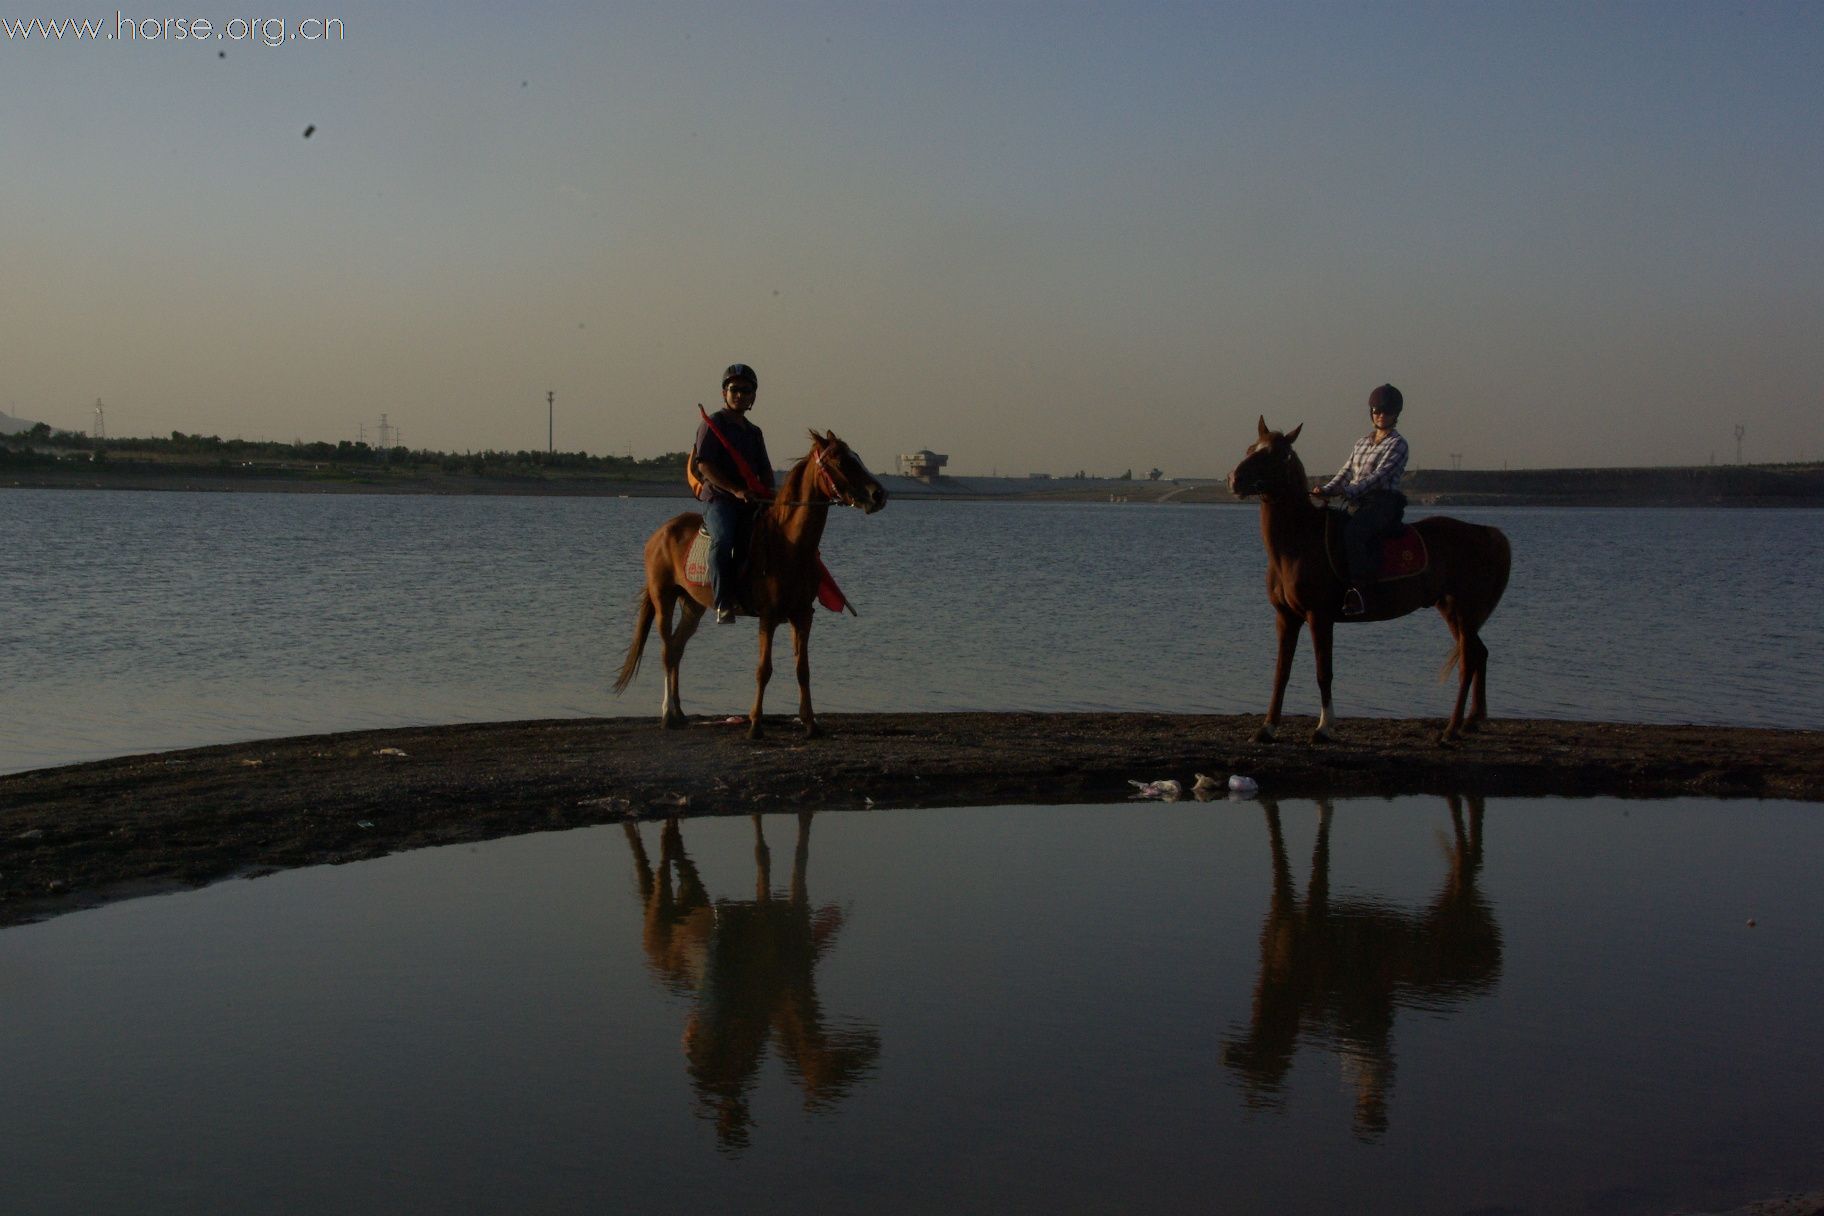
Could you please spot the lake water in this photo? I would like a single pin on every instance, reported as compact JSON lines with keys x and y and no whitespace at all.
{"x":1389,"y":1006}
{"x":133,"y":622}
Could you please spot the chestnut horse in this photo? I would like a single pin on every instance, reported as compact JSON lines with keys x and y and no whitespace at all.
{"x":1464,"y":580}
{"x":779,"y":585}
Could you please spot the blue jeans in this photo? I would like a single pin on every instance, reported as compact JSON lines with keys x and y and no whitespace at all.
{"x":1375,"y":515}
{"x":723,"y":517}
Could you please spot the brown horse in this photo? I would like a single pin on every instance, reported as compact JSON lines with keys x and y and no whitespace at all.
{"x":1467,"y":573}
{"x":780,"y":584}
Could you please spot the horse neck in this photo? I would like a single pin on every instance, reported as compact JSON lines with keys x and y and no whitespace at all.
{"x":799,"y":518}
{"x":1288,"y":518}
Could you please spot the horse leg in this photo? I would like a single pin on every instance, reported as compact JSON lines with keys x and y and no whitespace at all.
{"x":1467,"y":643}
{"x":672,"y":639}
{"x":801,"y":653}
{"x":1288,"y":626}
{"x":762,"y":674}
{"x":1323,"y":631}
{"x":1475,"y":654}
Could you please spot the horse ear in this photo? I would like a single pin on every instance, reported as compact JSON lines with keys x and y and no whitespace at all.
{"x":816,"y":439}
{"x":1264,"y":432}
{"x":831,"y":436}
{"x":1292,"y":435}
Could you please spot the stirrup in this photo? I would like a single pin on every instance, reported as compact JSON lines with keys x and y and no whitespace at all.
{"x":1353,"y":603}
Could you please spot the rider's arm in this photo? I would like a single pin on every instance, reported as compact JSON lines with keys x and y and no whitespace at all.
{"x":1339,"y":481}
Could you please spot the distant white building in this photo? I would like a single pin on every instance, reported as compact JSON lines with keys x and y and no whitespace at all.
{"x":922,"y":464}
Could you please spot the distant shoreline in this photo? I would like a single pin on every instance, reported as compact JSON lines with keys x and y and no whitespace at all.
{"x":1799,"y":486}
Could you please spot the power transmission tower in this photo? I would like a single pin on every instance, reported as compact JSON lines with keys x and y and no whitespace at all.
{"x":100,"y":429}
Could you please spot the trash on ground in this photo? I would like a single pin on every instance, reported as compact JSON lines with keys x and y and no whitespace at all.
{"x":1167,"y":789}
{"x":611,"y":803}
{"x":1243,"y":785}
{"x":1207,"y":783}
{"x":390,"y":751}
{"x":670,"y":800}
{"x":364,"y":823}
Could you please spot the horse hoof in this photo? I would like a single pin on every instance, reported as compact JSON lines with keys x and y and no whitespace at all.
{"x":1448,"y":737}
{"x":755,"y":731}
{"x":671,"y":723}
{"x":813,"y":731}
{"x":1323,"y":736}
{"x":1263,"y":735}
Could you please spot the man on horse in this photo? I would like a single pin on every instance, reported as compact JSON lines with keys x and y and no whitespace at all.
{"x":733,"y":478}
{"x":1369,"y":485}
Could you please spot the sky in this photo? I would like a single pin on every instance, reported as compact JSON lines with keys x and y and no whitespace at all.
{"x":1032,"y":236}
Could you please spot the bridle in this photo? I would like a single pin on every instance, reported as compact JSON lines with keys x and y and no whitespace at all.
{"x":826,"y":483}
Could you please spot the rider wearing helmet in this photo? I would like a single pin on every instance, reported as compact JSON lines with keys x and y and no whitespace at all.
{"x":728,"y":449}
{"x":1369,"y":485}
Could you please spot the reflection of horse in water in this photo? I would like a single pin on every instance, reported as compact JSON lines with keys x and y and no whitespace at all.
{"x":750,"y":966}
{"x":1336,"y":970}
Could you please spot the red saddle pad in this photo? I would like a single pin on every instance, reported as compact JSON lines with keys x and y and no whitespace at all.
{"x":1403,"y":554}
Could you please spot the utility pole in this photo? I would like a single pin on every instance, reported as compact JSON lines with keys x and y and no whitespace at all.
{"x":1740,"y":430}
{"x":1456,"y":461}
{"x":551,"y":423}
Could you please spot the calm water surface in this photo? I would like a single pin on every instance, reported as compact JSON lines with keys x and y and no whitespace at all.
{"x":140,"y":621}
{"x":1401,"y":1006}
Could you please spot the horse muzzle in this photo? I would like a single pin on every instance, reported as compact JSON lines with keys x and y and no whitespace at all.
{"x":873,"y":500}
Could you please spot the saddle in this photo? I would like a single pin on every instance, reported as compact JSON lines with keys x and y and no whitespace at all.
{"x":696,"y":562}
{"x":696,"y":573}
{"x":1403,"y":552}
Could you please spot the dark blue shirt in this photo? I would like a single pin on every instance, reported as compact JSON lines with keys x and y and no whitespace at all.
{"x":746,"y":439}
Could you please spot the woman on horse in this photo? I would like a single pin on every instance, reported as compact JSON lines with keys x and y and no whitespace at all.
{"x":734,"y":479}
{"x":1369,"y":485}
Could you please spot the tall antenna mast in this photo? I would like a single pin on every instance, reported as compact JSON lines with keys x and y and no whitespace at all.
{"x":100,"y":429}
{"x":1740,"y":430}
{"x":551,"y":423}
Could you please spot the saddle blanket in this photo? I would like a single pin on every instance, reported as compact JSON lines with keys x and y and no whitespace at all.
{"x":696,"y":562}
{"x":1403,"y":555}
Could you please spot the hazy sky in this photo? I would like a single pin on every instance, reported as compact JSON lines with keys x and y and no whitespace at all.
{"x":1035,"y":236}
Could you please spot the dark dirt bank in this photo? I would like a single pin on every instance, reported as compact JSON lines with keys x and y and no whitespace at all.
{"x":79,"y":835}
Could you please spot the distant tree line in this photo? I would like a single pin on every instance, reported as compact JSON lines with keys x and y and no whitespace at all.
{"x":40,"y":444}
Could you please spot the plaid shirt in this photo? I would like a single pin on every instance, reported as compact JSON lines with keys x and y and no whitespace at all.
{"x":1371,"y":466}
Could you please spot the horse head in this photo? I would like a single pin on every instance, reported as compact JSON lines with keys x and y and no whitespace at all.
{"x":840,"y":474}
{"x":1270,"y":466}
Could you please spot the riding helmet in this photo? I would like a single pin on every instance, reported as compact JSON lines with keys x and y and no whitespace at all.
{"x":740,"y":373}
{"x":1386,"y":398}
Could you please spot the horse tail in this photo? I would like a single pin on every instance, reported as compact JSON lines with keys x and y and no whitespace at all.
{"x":642,"y":625}
{"x":1478,"y":605}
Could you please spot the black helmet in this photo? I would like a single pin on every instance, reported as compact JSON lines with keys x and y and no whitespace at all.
{"x":1385,"y":398}
{"x":740,"y":373}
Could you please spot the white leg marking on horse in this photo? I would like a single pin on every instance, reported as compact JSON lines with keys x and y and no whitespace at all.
{"x":1323,"y":722}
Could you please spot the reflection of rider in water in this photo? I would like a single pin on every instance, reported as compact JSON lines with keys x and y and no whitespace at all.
{"x":751,"y":967}
{"x":1369,"y":485}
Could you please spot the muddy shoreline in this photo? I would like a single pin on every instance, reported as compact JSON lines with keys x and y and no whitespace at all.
{"x":79,"y":835}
